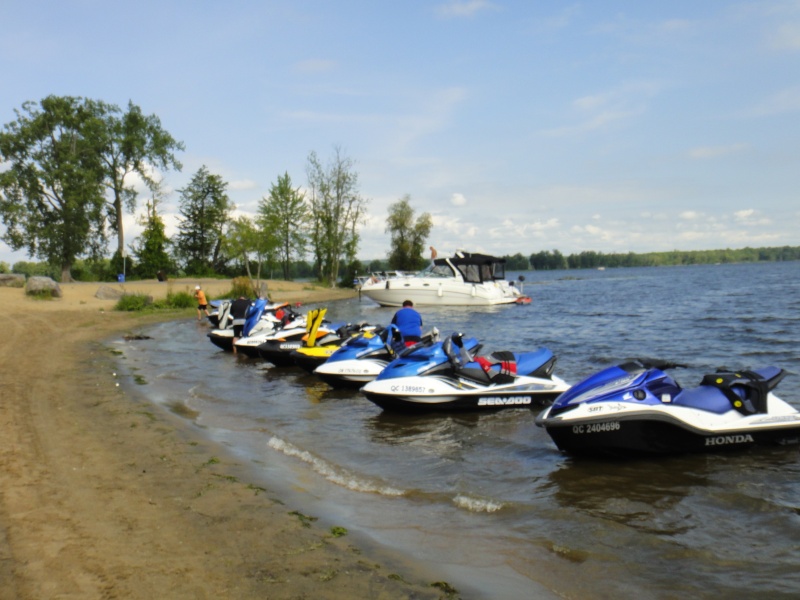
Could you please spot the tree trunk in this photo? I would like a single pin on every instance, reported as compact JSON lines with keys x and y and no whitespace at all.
{"x":120,"y":233}
{"x":66,"y":275}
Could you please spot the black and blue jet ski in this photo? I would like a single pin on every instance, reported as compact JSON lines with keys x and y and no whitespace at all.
{"x":636,"y":408}
{"x":457,"y":374}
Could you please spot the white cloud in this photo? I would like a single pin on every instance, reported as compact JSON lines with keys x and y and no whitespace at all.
{"x":690,"y":215}
{"x":243,"y":184}
{"x":786,"y":37}
{"x":750,"y":217}
{"x":315,"y":65}
{"x":458,"y":199}
{"x":715,"y":151}
{"x":598,"y":111}
{"x":463,"y":8}
{"x":779,"y":103}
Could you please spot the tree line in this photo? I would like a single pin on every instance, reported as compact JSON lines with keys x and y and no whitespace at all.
{"x":553,"y":259}
{"x":71,"y":164}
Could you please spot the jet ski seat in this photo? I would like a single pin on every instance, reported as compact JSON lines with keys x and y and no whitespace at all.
{"x":746,"y":390}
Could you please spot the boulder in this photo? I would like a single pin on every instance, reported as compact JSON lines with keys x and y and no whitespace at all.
{"x":42,"y":286}
{"x":106,"y":292}
{"x":12,"y":280}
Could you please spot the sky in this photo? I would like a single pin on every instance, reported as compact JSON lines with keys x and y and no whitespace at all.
{"x":519,"y":125}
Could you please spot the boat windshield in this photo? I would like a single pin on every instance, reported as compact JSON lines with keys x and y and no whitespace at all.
{"x":442,"y":270}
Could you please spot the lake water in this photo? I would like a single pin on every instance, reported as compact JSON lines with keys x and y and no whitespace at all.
{"x":485,"y":500}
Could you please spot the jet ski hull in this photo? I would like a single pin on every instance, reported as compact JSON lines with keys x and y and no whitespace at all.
{"x":434,"y":393}
{"x":627,"y":435}
{"x":352,"y":373}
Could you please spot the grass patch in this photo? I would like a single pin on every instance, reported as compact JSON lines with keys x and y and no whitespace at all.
{"x":180,"y":409}
{"x":304,"y":519}
{"x":338,"y":532}
{"x":140,"y":380}
{"x":448,"y":590}
{"x":256,"y":488}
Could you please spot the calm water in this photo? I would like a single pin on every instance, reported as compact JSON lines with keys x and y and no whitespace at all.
{"x":485,"y":499}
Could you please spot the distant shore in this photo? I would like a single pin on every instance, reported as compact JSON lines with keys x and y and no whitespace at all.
{"x":104,"y":496}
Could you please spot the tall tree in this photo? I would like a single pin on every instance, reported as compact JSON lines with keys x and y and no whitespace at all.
{"x":285,"y":215}
{"x":408,"y":237}
{"x":132,"y":143}
{"x":337,"y":209}
{"x":245,"y":240}
{"x":51,"y":194}
{"x":151,"y":251}
{"x":205,"y":209}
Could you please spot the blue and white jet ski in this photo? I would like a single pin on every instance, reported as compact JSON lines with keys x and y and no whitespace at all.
{"x":636,"y":408}
{"x":261,"y":317}
{"x":284,"y":319}
{"x":456,"y":374}
{"x":360,"y":359}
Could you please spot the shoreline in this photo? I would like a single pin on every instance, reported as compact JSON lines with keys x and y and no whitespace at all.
{"x":103,"y":496}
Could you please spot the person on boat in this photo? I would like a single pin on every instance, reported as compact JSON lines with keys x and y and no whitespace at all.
{"x":202,"y":303}
{"x":409,"y":322}
{"x":239,"y":308}
{"x":434,"y":254}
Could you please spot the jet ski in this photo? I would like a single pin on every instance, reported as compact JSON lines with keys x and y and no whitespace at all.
{"x":277,"y":348}
{"x":219,"y":309}
{"x":283,"y":319}
{"x":636,"y":408}
{"x":456,"y":374}
{"x":262,"y":316}
{"x":361,"y":358}
{"x":317,"y":350}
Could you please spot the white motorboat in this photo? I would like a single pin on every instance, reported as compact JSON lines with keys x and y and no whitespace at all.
{"x":462,"y":280}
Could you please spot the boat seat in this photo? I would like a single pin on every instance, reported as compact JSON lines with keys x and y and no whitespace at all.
{"x":746,"y":390}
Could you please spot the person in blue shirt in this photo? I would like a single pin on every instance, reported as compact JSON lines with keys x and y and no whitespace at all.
{"x":409,"y":322}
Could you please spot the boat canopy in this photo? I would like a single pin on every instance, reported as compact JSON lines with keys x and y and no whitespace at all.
{"x":476,"y":268}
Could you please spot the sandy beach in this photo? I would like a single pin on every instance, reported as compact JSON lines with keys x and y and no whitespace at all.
{"x":102,"y":495}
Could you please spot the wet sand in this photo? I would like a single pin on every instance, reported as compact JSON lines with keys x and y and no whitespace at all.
{"x":102,"y":495}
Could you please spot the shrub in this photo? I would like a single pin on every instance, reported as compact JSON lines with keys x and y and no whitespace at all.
{"x":131,"y":302}
{"x":179,"y":300}
{"x":242,"y":286}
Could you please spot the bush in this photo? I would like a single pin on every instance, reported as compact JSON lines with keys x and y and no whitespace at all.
{"x":178,"y":300}
{"x":131,"y":302}
{"x":241,"y":286}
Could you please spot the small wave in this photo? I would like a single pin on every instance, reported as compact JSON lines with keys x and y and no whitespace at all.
{"x":477,"y":504}
{"x":332,"y":473}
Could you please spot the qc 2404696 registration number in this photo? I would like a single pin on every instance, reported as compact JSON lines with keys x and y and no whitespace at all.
{"x":596,"y":427}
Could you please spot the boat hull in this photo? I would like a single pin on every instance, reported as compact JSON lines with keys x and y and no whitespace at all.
{"x":434,"y":393}
{"x":222,"y":338}
{"x":658,"y":432}
{"x":432,"y":293}
{"x":351,"y":373}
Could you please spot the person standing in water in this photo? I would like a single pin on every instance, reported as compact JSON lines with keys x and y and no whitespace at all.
{"x":202,"y":303}
{"x":239,"y":309}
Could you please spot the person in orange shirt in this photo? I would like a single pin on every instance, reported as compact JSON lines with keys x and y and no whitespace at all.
{"x":202,"y":303}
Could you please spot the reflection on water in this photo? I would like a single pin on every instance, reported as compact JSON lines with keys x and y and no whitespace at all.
{"x":486,"y":496}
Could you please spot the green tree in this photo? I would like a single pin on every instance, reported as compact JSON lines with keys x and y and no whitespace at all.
{"x":337,"y":209}
{"x":151,"y":249}
{"x":408,"y":236}
{"x":132,"y":143}
{"x":247,"y":242}
{"x":205,"y":208}
{"x":51,"y":194}
{"x":285,"y":215}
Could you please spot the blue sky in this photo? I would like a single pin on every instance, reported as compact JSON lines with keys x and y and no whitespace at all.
{"x":519,"y":125}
